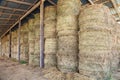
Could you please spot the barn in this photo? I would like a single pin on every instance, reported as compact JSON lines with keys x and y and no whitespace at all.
{"x":59,"y":39}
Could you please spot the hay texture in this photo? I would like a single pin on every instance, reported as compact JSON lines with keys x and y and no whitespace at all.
{"x":50,"y":52}
{"x":50,"y":22}
{"x":68,"y":7}
{"x":91,"y":13}
{"x":67,"y":53}
{"x":67,"y":28}
{"x":95,"y":42}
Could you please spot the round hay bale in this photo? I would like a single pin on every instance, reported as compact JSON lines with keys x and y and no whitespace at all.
{"x":68,"y":7}
{"x":50,"y":29}
{"x":91,"y":18}
{"x":95,"y":42}
{"x":68,"y":44}
{"x":50,"y":46}
{"x":50,"y":60}
{"x":67,"y":23}
{"x":50,"y":13}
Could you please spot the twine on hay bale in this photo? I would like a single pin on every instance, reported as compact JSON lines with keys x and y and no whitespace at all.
{"x":68,"y":7}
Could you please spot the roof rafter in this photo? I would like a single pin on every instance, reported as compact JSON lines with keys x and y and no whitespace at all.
{"x":8,"y":8}
{"x":116,"y":7}
{"x":20,"y":2}
{"x":9,"y":14}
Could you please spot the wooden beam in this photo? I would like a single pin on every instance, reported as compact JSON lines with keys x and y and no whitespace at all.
{"x":42,"y":34}
{"x":50,"y":1}
{"x":20,"y":2}
{"x":116,"y":7}
{"x":8,"y":19}
{"x":9,"y":14}
{"x":28,"y":12}
{"x":8,"y":8}
{"x":91,"y":2}
{"x":19,"y":40}
{"x":10,"y":44}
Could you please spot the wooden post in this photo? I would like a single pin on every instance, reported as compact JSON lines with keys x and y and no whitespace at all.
{"x":10,"y":44}
{"x":41,"y":34}
{"x":19,"y":40}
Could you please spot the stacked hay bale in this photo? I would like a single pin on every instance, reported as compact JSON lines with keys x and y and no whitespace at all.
{"x":24,"y":43}
{"x":31,"y":37}
{"x":95,"y":42}
{"x":67,"y":27}
{"x":13,"y":50}
{"x":16,"y":44}
{"x":3,"y":46}
{"x":116,"y":58}
{"x":50,"y":37}
{"x":37,"y":39}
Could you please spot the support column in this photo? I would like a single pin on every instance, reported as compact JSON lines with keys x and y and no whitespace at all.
{"x":19,"y":40}
{"x":10,"y":44}
{"x":41,"y":34}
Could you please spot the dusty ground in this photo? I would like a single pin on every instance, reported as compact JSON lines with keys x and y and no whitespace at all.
{"x":10,"y":70}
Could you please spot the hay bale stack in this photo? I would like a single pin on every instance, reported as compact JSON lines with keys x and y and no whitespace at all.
{"x":116,"y":59}
{"x":67,"y":27}
{"x":37,"y":39}
{"x":95,"y":42}
{"x":24,"y":43}
{"x":31,"y":37}
{"x":50,"y":52}
{"x":50,"y":22}
{"x":50,"y":37}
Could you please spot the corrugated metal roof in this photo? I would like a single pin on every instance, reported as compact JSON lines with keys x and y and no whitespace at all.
{"x":12,"y":10}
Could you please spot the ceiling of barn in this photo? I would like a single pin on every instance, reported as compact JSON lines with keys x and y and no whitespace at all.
{"x":12,"y":10}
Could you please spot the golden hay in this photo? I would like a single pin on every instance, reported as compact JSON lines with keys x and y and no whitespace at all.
{"x":50,"y":60}
{"x":50,"y":46}
{"x":68,"y":44}
{"x":50,"y":13}
{"x":67,"y":63}
{"x":91,"y":13}
{"x":67,"y":23}
{"x":50,"y":29}
{"x":68,"y":7}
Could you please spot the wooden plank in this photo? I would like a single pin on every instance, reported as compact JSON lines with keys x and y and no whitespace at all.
{"x":50,"y":1}
{"x":42,"y":34}
{"x":19,"y":40}
{"x":10,"y":44}
{"x":116,"y":7}
{"x":20,"y":2}
{"x":91,"y":2}
{"x":8,"y":8}
{"x":10,"y":14}
{"x":8,"y":19}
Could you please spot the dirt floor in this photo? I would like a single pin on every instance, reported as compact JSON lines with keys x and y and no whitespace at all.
{"x":10,"y":70}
